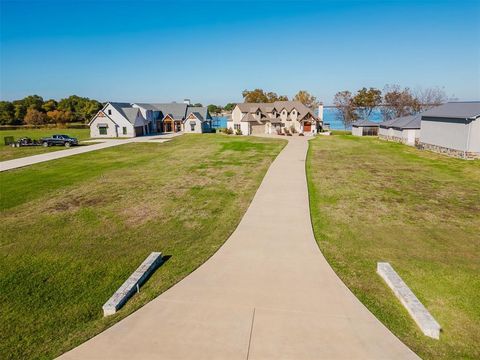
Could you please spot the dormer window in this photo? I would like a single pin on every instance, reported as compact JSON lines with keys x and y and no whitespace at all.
{"x":258,"y":113}
{"x":109,"y":111}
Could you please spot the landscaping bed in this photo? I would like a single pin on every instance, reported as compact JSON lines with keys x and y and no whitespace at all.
{"x":68,"y":242}
{"x":377,"y":201}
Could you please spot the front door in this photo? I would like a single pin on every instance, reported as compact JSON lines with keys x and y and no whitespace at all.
{"x":168,"y":126}
{"x":307,"y":127}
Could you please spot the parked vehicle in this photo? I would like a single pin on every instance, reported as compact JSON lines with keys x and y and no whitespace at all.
{"x":25,"y":142}
{"x":63,"y":140}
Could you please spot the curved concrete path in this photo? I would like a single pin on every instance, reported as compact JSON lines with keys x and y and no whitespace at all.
{"x":268,"y":293}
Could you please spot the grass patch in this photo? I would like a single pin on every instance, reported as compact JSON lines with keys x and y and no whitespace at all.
{"x":379,"y":201}
{"x":9,"y":153}
{"x":69,"y":241}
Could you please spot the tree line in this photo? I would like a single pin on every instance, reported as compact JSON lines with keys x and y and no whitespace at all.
{"x":33,"y":110}
{"x":393,"y":102}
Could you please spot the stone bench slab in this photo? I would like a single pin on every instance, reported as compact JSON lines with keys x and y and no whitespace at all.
{"x":132,"y":284}
{"x":415,"y":308}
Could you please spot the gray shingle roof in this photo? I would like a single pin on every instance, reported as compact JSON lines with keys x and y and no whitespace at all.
{"x":175,"y":110}
{"x":277,"y":105}
{"x":407,"y":122}
{"x":130,"y":114}
{"x":248,"y":117}
{"x":365,"y":123}
{"x":403,"y":122}
{"x":455,"y":110}
{"x":200,"y":112}
{"x":119,"y":106}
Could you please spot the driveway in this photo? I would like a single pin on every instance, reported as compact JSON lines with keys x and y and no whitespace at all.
{"x":103,"y":144}
{"x":268,"y":293}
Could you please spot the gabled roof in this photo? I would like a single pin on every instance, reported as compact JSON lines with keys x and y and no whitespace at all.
{"x":387,"y":123}
{"x":119,"y":106}
{"x":407,"y":122}
{"x":147,"y":106}
{"x":175,"y":110}
{"x":248,"y":117}
{"x":455,"y":110}
{"x":200,"y":112}
{"x":131,"y":114}
{"x":364,"y":123}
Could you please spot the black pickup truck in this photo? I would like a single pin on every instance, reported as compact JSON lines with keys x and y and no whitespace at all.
{"x":63,"y":140}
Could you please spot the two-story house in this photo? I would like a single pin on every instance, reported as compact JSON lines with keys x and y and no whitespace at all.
{"x":273,"y":118}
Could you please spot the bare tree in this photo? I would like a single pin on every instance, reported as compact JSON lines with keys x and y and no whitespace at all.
{"x":430,"y":97}
{"x":343,"y":101}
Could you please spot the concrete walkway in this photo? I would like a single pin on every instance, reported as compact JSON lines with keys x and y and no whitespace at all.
{"x":103,"y":144}
{"x":268,"y":293}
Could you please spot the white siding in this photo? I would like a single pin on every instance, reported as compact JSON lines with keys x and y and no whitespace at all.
{"x":188,"y":127}
{"x":474,"y":141}
{"x":117,"y":118}
{"x":112,"y":128}
{"x":449,"y":134}
{"x":357,"y":131}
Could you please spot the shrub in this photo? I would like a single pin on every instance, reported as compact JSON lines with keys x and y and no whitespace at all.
{"x":301,"y":134}
{"x":238,"y":132}
{"x":228,"y":131}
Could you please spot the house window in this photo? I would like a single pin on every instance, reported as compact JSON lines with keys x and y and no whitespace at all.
{"x":109,"y":111}
{"x":192,"y":125}
{"x":124,"y":129}
{"x":102,"y":130}
{"x":236,"y":126}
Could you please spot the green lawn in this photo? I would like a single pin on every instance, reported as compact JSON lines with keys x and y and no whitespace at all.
{"x":74,"y":229}
{"x":380,"y":201}
{"x":8,"y":153}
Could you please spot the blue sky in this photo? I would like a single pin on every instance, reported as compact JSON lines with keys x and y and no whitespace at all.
{"x":209,"y":51}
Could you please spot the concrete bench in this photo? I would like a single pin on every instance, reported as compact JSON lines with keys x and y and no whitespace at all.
{"x":133,"y":283}
{"x":415,"y":308}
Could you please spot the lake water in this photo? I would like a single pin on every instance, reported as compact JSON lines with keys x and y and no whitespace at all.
{"x":329,"y":116}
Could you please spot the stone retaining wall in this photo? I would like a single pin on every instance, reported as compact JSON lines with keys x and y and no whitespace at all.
{"x":391,"y":138}
{"x":447,"y":151}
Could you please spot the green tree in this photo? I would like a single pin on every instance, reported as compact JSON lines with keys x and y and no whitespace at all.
{"x":82,"y":109}
{"x":20,"y":110}
{"x":7,"y":113}
{"x":306,"y":98}
{"x":343,"y":101}
{"x":229,"y":106}
{"x":49,"y":105}
{"x":198,"y":105}
{"x":365,"y":100}
{"x":214,"y":109}
{"x":260,"y":96}
{"x":33,"y":101}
